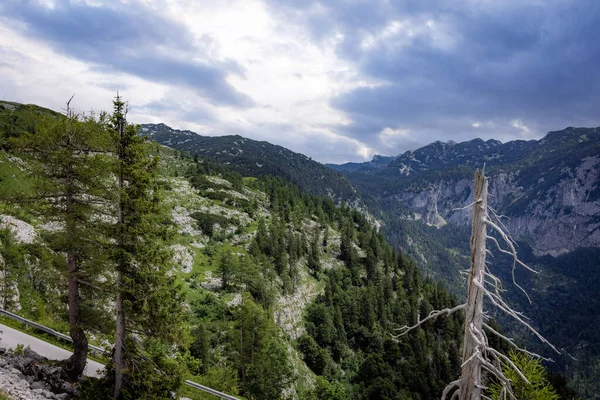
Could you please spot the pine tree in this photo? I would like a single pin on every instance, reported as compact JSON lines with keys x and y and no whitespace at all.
{"x":149,"y":305}
{"x":227,"y":266}
{"x":314,"y":256}
{"x":537,"y":387}
{"x":69,"y":164}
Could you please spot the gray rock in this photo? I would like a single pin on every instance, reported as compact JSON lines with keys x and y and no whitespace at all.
{"x":28,"y":353}
{"x":38,"y":385}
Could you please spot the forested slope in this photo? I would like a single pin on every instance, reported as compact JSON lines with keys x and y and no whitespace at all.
{"x":285,"y":295}
{"x":548,"y":192}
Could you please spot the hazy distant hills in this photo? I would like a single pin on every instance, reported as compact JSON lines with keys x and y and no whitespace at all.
{"x":377,"y":162}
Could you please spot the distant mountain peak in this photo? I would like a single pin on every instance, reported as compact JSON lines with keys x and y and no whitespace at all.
{"x":571,"y":134}
{"x":474,"y":152}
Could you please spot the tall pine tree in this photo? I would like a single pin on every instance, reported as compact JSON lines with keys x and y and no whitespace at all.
{"x":69,"y":164}
{"x":148,"y":303}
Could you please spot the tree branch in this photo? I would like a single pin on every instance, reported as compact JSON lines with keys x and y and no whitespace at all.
{"x":434,"y":314}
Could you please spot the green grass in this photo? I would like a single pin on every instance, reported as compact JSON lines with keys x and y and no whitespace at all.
{"x":252,"y":227}
{"x":249,"y":180}
{"x":4,"y":396}
{"x":13,"y":180}
{"x":202,"y":263}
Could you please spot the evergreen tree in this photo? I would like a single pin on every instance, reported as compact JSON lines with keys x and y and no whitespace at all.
{"x":538,"y":387}
{"x":149,"y":304}
{"x":227,"y":266}
{"x":326,"y":236}
{"x":70,"y":169}
{"x":314,"y":256}
{"x":271,"y":372}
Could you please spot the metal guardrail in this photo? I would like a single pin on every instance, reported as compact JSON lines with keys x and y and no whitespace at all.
{"x":210,"y":390}
{"x":101,"y":350}
{"x":48,"y":330}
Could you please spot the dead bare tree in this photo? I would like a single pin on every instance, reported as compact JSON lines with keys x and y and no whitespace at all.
{"x":479,"y":358}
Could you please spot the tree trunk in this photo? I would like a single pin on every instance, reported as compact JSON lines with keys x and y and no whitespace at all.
{"x":74,"y":365}
{"x":470,"y":381}
{"x":5,"y":294}
{"x":120,"y":320}
{"x":243,"y":363}
{"x":119,"y":340}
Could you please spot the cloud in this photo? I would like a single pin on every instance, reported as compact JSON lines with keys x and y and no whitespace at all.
{"x":337,"y":80}
{"x":455,"y":71}
{"x":120,"y":37}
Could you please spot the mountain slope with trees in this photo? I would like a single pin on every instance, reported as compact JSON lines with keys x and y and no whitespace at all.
{"x":284,"y":295}
{"x":548,"y":190}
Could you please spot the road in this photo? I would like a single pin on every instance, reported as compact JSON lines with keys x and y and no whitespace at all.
{"x":10,"y":338}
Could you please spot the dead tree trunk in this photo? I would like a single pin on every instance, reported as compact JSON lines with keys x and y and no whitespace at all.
{"x":119,"y":341}
{"x":478,"y":356}
{"x":470,"y":381}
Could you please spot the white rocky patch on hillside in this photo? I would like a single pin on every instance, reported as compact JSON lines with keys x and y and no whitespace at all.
{"x":186,"y":224}
{"x":218,"y":181}
{"x":260,"y":196}
{"x":234,"y":194}
{"x":228,"y":213}
{"x":290,"y":309}
{"x":236,"y":301}
{"x":18,"y":162}
{"x":183,"y":194}
{"x":23,"y":232}
{"x":183,"y":258}
{"x":211,"y":282}
{"x":52,"y":226}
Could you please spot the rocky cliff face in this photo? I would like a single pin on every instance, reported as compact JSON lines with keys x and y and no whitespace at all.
{"x":556,"y":219}
{"x":549,"y":190}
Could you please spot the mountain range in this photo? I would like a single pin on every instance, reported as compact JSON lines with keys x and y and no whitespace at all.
{"x":548,"y":192}
{"x":549,"y":189}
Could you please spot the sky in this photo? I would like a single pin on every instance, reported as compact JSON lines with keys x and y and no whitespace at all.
{"x":337,"y":80}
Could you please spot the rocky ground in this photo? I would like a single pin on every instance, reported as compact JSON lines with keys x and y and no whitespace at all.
{"x":30,"y":377}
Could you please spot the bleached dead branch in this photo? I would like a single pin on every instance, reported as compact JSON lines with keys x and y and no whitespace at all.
{"x":478,"y":355}
{"x":434,"y":314}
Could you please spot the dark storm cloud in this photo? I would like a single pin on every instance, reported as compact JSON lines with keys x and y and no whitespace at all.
{"x":128,"y":38}
{"x":528,"y":61}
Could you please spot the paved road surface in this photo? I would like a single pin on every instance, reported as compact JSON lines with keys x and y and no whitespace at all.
{"x":10,"y":338}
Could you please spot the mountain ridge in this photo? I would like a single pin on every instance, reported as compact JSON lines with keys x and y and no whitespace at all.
{"x":257,"y":158}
